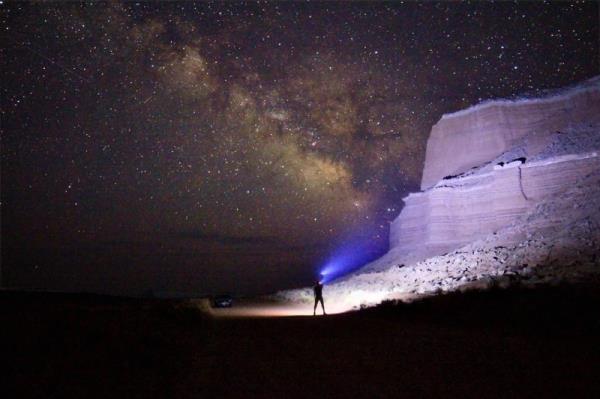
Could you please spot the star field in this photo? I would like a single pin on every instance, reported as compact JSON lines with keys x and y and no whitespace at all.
{"x":285,"y":125}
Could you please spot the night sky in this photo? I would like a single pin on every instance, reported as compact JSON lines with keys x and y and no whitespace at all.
{"x":204,"y":147}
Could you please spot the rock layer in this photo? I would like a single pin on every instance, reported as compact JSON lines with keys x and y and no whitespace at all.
{"x":523,"y":205}
{"x":468,"y":138}
{"x":465,"y":209}
{"x":509,"y":156}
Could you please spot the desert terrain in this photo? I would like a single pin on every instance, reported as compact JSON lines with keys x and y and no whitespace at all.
{"x":515,"y":342}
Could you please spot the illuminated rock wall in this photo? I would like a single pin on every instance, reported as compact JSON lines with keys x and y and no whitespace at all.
{"x":489,"y":165}
{"x":449,"y":216}
{"x":471,"y":137}
{"x":511,"y":193}
{"x":520,"y":203}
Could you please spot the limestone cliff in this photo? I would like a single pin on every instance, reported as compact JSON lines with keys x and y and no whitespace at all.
{"x":511,"y":189}
{"x":469,"y":138}
{"x":529,"y":150}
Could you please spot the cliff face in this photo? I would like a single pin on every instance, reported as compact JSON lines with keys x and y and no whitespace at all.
{"x":471,"y":137}
{"x":492,"y":163}
{"x":511,"y":191}
{"x":462,"y":210}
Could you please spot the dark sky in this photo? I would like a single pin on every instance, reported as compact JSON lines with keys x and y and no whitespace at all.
{"x":231,"y":147}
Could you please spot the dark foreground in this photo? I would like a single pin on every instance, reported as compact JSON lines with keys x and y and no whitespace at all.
{"x":504,"y":344}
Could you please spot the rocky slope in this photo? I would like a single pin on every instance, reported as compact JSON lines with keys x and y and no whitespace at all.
{"x":530,"y":214}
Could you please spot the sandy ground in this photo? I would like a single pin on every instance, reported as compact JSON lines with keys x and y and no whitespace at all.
{"x":269,"y":307}
{"x":503,"y":343}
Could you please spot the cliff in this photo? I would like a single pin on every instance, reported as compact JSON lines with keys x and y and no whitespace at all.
{"x":516,"y":169}
{"x":511,"y":190}
{"x":471,"y":137}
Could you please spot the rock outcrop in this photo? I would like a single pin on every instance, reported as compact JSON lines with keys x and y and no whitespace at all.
{"x":521,"y":202}
{"x":540,"y":163}
{"x":469,"y":138}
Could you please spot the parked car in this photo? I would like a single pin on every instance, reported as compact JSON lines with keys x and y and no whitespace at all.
{"x":222,"y":301}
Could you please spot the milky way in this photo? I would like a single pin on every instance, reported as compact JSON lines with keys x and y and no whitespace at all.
{"x":285,"y":127}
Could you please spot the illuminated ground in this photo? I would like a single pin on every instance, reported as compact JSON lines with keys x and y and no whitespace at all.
{"x":266,"y":307}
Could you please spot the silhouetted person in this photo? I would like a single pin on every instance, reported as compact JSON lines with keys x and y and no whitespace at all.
{"x":318,"y":288}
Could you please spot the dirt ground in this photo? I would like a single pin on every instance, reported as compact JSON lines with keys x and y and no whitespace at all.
{"x":503,"y":343}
